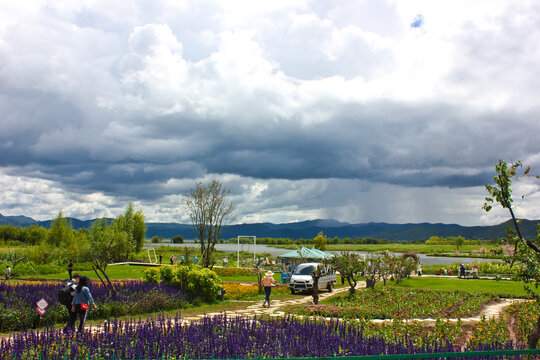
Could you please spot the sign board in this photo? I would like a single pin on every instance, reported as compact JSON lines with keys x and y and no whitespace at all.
{"x":41,"y":312}
{"x":42,"y":304}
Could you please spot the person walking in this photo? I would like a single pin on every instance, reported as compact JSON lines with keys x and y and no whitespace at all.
{"x":65,"y":297}
{"x":70,"y":268}
{"x":8,"y":272}
{"x":419,"y":270}
{"x":81,"y":302}
{"x":268,"y":281}
{"x":160,"y":258}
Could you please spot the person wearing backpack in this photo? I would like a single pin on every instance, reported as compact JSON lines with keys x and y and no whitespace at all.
{"x":81,"y":302}
{"x":65,"y":297}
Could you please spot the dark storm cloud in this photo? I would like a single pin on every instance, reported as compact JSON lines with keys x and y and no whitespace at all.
{"x":396,"y":146}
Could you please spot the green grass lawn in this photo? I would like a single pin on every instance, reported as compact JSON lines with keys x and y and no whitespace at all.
{"x":417,"y":248}
{"x":504,"y":288}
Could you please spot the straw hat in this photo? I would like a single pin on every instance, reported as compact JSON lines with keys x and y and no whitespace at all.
{"x":269,"y":273}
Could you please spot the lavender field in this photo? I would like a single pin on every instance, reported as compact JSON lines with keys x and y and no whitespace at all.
{"x":218,"y":337}
{"x":18,"y":302}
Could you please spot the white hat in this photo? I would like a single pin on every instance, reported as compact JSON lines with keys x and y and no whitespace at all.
{"x":269,"y":273}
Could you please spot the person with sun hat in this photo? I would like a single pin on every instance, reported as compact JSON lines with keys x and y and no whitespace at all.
{"x":268,"y":281}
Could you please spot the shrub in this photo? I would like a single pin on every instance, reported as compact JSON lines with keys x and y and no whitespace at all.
{"x":151,"y":275}
{"x":178,"y":239}
{"x":166,"y":274}
{"x":156,"y":239}
{"x":195,"y":282}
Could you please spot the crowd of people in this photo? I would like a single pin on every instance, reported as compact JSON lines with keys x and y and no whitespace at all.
{"x":464,"y":271}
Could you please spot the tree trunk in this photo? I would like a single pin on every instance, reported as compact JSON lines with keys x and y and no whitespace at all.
{"x":102,"y":282}
{"x":109,"y":285}
{"x":352,"y":284}
{"x":259,"y":280}
{"x":535,"y":335}
{"x":316,"y":290}
{"x":370,"y":283}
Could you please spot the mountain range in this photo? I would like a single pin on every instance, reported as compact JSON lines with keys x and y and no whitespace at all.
{"x":310,"y":228}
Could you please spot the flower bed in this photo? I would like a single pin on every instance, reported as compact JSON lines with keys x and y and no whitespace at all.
{"x":18,"y":302}
{"x":217,"y":337}
{"x":237,"y":291}
{"x":526,"y":315}
{"x":234,"y":271}
{"x":389,"y":303}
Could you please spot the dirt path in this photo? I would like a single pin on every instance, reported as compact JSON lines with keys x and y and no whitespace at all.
{"x":490,"y":311}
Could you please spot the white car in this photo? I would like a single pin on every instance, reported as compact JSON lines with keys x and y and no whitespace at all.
{"x":301,"y":279}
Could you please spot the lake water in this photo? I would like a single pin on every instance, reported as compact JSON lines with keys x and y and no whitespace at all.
{"x":233,"y":248}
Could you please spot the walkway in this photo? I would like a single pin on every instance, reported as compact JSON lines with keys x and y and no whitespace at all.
{"x":491,"y":311}
{"x":273,"y":311}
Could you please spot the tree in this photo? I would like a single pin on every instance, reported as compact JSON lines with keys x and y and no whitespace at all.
{"x":60,"y":232}
{"x":403,"y":266}
{"x":133,"y":224}
{"x":178,"y":239}
{"x":208,"y":207}
{"x":526,"y":251}
{"x":460,"y":240}
{"x":372,"y":271}
{"x":350,"y":265}
{"x":107,"y":244}
{"x":320,"y":241}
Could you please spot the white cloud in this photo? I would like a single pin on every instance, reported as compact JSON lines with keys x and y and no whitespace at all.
{"x":319,"y":109}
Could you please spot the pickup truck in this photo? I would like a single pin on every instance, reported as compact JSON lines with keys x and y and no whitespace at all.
{"x":301,"y":279}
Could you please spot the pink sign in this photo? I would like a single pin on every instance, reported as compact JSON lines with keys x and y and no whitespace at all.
{"x":41,"y":312}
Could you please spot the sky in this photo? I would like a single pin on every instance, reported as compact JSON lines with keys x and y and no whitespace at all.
{"x":355,"y":110}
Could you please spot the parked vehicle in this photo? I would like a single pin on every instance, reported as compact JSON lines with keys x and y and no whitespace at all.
{"x":301,"y":279}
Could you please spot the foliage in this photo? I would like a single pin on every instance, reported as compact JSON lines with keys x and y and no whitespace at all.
{"x":151,"y":275}
{"x":208,"y":207}
{"x":451,"y":240}
{"x":156,"y":239}
{"x":527,"y":251}
{"x":28,"y":235}
{"x":195,"y":282}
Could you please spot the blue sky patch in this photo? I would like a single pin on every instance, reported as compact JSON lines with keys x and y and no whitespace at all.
{"x":418,"y":21}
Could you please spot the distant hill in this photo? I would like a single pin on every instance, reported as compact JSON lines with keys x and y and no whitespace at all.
{"x":310,"y":228}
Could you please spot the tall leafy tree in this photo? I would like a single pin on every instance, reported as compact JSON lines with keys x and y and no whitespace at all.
{"x":61,"y":232}
{"x":209,"y":207}
{"x":320,"y":241}
{"x":132,"y":223}
{"x":107,"y":244}
{"x":526,"y":251}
